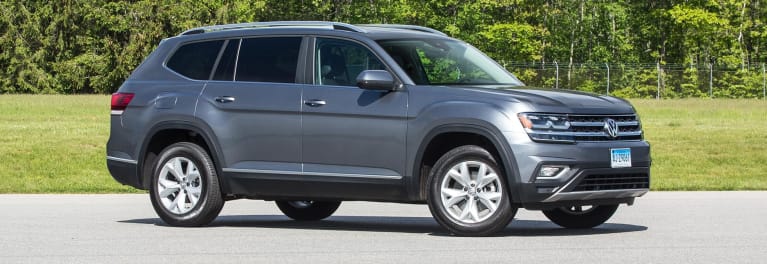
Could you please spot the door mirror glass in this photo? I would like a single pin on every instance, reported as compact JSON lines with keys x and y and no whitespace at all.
{"x":375,"y":80}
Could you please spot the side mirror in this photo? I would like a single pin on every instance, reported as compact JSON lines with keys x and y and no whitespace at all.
{"x":375,"y":80}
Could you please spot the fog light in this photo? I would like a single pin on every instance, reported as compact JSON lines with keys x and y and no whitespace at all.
{"x":546,"y":189}
{"x":552,"y":171}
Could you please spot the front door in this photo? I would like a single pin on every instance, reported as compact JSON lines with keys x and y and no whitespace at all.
{"x":349,"y":134}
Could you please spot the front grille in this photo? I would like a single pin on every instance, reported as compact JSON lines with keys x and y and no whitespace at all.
{"x":591,"y":127}
{"x":601,"y":182}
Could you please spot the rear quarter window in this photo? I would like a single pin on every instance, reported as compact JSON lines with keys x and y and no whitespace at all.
{"x":195,"y":60}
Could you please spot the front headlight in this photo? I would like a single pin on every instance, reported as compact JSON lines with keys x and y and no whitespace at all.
{"x":547,"y":127}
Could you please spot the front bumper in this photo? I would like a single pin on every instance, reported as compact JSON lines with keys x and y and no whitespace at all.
{"x":589,"y":187}
{"x":590,"y":179}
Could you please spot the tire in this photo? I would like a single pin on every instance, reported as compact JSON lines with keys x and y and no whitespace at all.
{"x":460,"y":203}
{"x":199,"y":195}
{"x":576,"y":217}
{"x":307,"y":210}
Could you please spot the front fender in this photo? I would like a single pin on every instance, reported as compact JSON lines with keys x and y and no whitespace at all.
{"x":464,"y":117}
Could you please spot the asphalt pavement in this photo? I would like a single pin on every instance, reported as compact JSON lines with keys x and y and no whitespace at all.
{"x":662,"y":227}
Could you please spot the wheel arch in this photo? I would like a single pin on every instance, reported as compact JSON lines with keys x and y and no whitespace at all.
{"x":166,"y":133}
{"x":430,"y":143}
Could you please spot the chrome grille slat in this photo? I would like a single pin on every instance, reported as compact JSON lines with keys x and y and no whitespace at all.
{"x":588,"y":134}
{"x":600,"y":124}
{"x":589,"y":128}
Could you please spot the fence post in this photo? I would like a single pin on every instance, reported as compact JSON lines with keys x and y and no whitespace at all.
{"x":657,"y":96}
{"x":764,"y":83}
{"x":557,"y":78}
{"x":608,"y":78}
{"x":711,"y":80}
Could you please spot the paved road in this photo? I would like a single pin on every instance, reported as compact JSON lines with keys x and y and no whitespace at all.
{"x":662,"y":227}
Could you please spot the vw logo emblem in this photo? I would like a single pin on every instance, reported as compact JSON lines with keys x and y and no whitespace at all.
{"x":611,"y":128}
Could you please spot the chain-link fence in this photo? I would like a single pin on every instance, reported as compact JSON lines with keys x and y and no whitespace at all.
{"x":648,"y":80}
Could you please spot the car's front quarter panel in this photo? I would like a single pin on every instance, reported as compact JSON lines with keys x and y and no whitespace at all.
{"x":435,"y":110}
{"x":494,"y":114}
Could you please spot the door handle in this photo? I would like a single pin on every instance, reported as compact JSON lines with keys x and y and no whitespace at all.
{"x":315,"y":102}
{"x":224,"y":99}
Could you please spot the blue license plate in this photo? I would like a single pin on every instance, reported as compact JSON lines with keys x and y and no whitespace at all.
{"x":620,"y":157}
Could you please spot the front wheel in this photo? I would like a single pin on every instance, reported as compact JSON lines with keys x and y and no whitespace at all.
{"x":467,"y":193}
{"x":580,"y":216}
{"x":184,"y":188}
{"x":308,"y":210}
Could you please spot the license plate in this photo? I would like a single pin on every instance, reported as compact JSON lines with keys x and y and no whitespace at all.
{"x":620,"y":158}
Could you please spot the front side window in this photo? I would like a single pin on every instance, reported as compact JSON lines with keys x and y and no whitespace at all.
{"x":338,"y":62}
{"x":446,"y":62}
{"x":273,"y":59}
{"x":195,"y":60}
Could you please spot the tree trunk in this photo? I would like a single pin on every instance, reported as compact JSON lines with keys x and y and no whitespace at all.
{"x":572,"y":44}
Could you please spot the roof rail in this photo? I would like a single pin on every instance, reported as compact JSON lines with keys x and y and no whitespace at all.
{"x":322,"y":24}
{"x":409,"y":27}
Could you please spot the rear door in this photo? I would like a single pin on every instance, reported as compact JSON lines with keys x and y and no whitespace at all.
{"x":252,"y":104}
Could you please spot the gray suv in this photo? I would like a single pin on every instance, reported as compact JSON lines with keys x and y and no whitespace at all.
{"x":309,"y":114}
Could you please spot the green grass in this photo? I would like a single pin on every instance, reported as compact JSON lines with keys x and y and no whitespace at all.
{"x":703,"y":144}
{"x":55,"y":144}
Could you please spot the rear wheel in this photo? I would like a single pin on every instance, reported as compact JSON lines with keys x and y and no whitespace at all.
{"x":581,"y":216}
{"x":307,"y":210}
{"x":184,"y":188}
{"x":467,"y":193}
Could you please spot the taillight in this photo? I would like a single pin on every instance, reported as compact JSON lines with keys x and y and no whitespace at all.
{"x":120,"y":101}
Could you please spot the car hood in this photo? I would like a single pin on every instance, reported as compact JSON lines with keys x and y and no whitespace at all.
{"x":560,"y":101}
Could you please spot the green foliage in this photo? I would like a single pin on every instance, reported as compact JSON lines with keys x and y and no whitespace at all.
{"x":91,"y":46}
{"x":512,"y":42}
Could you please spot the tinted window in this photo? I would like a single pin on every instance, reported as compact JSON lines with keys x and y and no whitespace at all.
{"x":338,"y":62}
{"x":268,"y":60}
{"x":225,"y":68}
{"x":195,"y":60}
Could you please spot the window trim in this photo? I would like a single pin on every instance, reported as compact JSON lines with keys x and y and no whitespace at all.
{"x":218,"y":59}
{"x":236,"y":60}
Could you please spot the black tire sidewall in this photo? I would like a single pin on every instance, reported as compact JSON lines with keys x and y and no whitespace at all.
{"x":210,"y":203}
{"x":501,"y":217}
{"x":318,"y":210}
{"x":597,"y":216}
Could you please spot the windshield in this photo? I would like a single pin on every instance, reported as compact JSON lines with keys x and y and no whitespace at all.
{"x":446,"y":62}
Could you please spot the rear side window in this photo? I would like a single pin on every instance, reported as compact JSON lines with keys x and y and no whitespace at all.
{"x":225,"y":69}
{"x":268,"y":60}
{"x":195,"y":60}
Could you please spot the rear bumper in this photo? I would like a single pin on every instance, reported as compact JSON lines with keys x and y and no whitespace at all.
{"x":124,"y":171}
